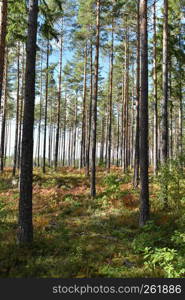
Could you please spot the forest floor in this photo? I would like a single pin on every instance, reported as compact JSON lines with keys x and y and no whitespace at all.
{"x":76,"y":237}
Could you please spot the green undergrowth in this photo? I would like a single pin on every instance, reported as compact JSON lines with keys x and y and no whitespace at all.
{"x":75,"y":236}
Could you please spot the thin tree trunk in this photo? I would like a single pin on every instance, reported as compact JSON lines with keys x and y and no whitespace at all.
{"x":165,"y":86}
{"x":50,"y":143}
{"x":180,"y":143}
{"x":136,"y":160}
{"x":64,"y":133}
{"x":143,"y":124}
{"x":59,"y":105}
{"x":21,"y":110}
{"x":118,"y":139}
{"x":90,"y":113}
{"x":126,"y":98}
{"x":40,"y":114}
{"x":17,"y":111}
{"x":110,"y":100}
{"x":102,"y":140}
{"x":74,"y":130}
{"x":122,"y":122}
{"x":46,"y":109}
{"x":171,"y":114}
{"x":83,"y":139}
{"x":155,"y":94}
{"x":94,"y":103}
{"x":3,"y":126}
{"x":3,"y":29}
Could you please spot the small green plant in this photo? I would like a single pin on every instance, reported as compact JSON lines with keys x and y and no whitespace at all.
{"x":170,"y":180}
{"x":112,"y":179}
{"x":178,"y":238}
{"x":112,"y":182}
{"x":145,"y":239}
{"x":165,"y":258}
{"x":3,"y":212}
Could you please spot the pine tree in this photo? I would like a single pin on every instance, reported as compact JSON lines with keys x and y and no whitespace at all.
{"x":3,"y":31}
{"x":94,"y":103}
{"x":25,"y":234}
{"x":143,"y":115}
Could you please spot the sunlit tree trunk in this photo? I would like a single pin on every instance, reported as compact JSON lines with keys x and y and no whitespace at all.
{"x":143,"y":121}
{"x":59,"y":105}
{"x":90,"y":113}
{"x":46,"y":109}
{"x":136,"y":158}
{"x":64,"y":131}
{"x":155,"y":93}
{"x":110,"y":100}
{"x":40,"y":112}
{"x":164,"y":118}
{"x":94,"y":103}
{"x":17,"y":111}
{"x":21,"y":108}
{"x":83,"y":138}
{"x":4,"y":116}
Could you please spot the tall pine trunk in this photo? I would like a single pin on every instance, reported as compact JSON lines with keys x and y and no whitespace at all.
{"x":3,"y":29}
{"x":59,"y":105}
{"x":155,"y":93}
{"x":143,"y":121}
{"x":83,"y":139}
{"x":17,"y":111}
{"x":40,"y":113}
{"x":110,"y":100}
{"x":64,"y":131}
{"x":46,"y":109}
{"x":90,"y":113}
{"x":4,"y":117}
{"x":126,"y":99}
{"x":164,"y":117}
{"x":25,"y":233}
{"x":21,"y":110}
{"x":94,"y":103}
{"x":136,"y":158}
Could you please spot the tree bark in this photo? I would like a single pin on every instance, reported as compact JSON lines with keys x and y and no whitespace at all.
{"x":155,"y":93}
{"x":136,"y":160}
{"x":4,"y":117}
{"x":64,"y":131}
{"x":17,"y":111}
{"x":90,"y":113}
{"x":126,"y":99}
{"x":59,"y":105}
{"x":94,"y":103}
{"x":3,"y":29}
{"x":25,"y":232}
{"x":21,"y":109}
{"x":40,"y":113}
{"x":165,"y":86}
{"x":83,"y":138}
{"x":110,"y":100}
{"x":46,"y":109}
{"x":143,"y":121}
